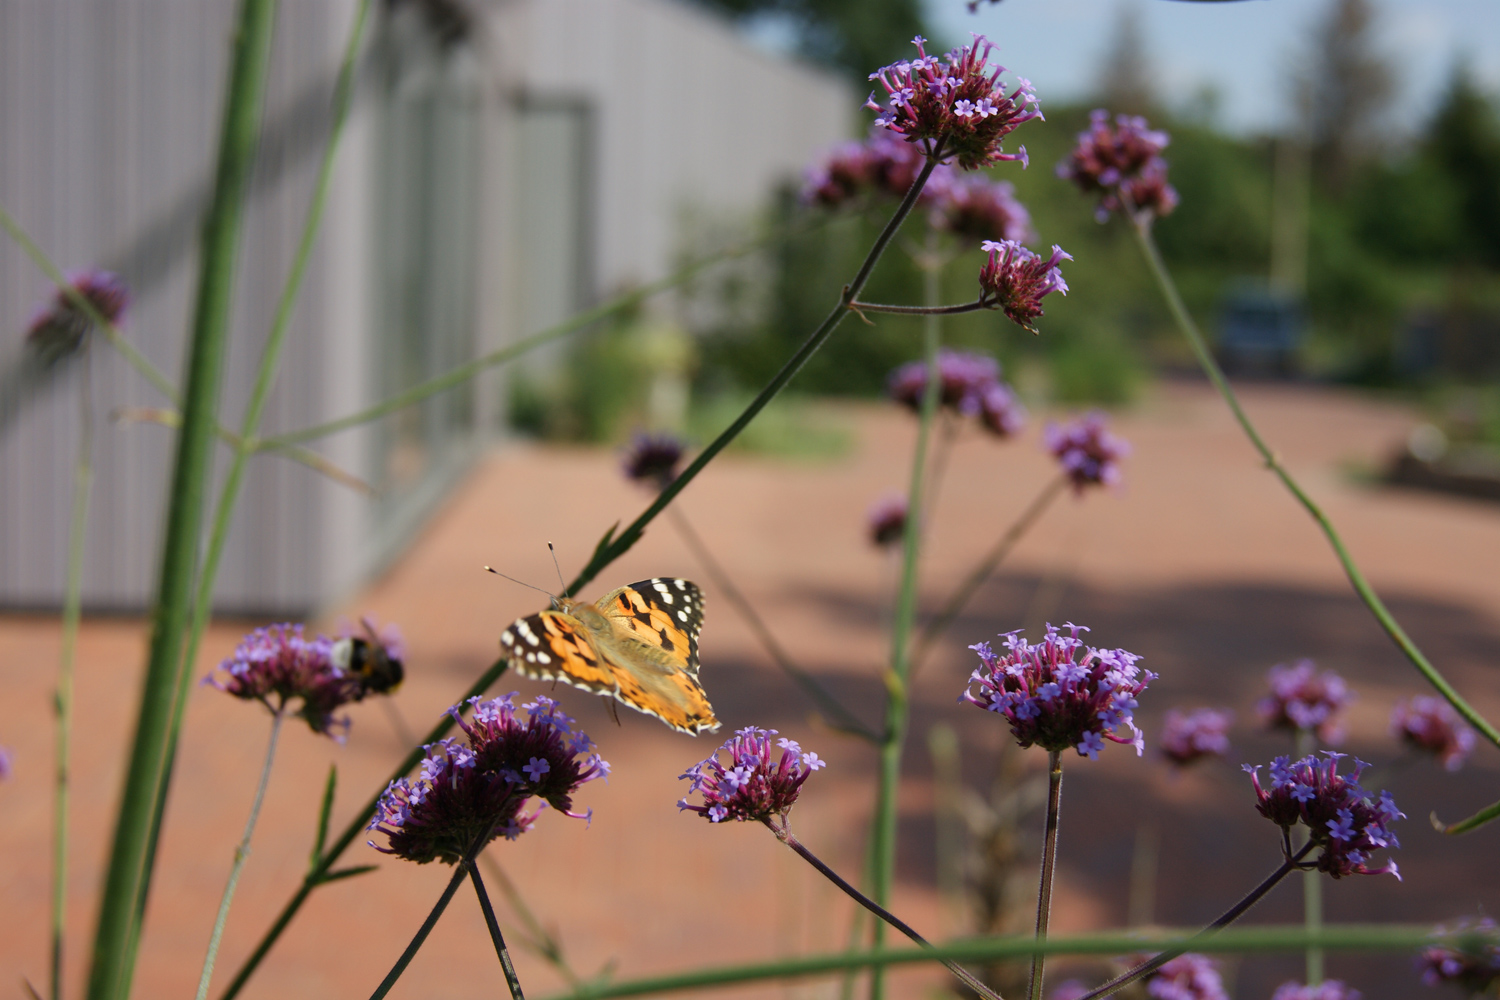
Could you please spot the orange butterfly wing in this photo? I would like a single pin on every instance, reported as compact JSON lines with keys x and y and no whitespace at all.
{"x":554,"y":646}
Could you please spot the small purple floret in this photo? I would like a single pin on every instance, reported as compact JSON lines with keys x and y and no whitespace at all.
{"x":1303,"y":700}
{"x":1203,"y":732}
{"x":1060,"y":694}
{"x":1122,"y":163}
{"x":1089,"y":454}
{"x":1340,"y":816}
{"x":1014,"y":279}
{"x":1468,"y":956}
{"x":277,"y":664}
{"x":1430,"y":725}
{"x":753,"y":786}
{"x":1328,"y":989}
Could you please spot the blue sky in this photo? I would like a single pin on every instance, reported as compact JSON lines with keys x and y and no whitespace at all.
{"x":1243,"y":50}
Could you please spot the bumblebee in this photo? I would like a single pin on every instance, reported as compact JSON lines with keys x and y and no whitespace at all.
{"x":367,"y":659}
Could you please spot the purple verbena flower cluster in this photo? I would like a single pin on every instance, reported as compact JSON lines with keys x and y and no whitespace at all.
{"x":1015,"y":280}
{"x":1089,"y":454}
{"x":1060,"y":693}
{"x":954,"y":105}
{"x":1122,"y":163}
{"x":1341,"y":817}
{"x":59,"y":327}
{"x":752,"y":786}
{"x":970,"y":386}
{"x":1187,"y":977}
{"x":976,"y":208}
{"x":276,"y":664}
{"x":1430,"y":725}
{"x":1190,"y":737}
{"x":1302,"y":700}
{"x":887,"y":520}
{"x":883,"y":165}
{"x":1328,"y":989}
{"x":479,"y":788}
{"x":1468,"y":956}
{"x":653,"y":458}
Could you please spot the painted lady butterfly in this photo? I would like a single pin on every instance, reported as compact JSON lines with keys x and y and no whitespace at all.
{"x":638,"y":644}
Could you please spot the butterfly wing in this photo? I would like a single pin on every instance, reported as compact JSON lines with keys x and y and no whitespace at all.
{"x":652,"y":642}
{"x":664,"y":613}
{"x":554,"y":646}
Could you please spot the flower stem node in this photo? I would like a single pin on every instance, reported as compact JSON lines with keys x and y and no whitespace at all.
{"x":1341,"y":818}
{"x":1060,"y":693}
{"x":1014,"y":279}
{"x":752,"y":786}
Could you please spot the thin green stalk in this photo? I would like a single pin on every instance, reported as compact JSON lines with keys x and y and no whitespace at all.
{"x":83,"y":479}
{"x":503,"y":953}
{"x":460,"y":871}
{"x":542,"y":942}
{"x":241,"y":855}
{"x":1049,"y":870}
{"x":612,"y":546}
{"x":321,"y":872}
{"x":982,"y":571}
{"x":954,"y":310}
{"x":964,"y":975}
{"x":1142,"y":229}
{"x":1248,"y":940}
{"x":897,"y":705}
{"x":117,"y":937}
{"x":839,"y":717}
{"x":1312,"y":883}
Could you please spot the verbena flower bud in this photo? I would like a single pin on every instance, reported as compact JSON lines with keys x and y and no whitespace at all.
{"x":1301,"y":699}
{"x":58,"y":328}
{"x":1122,"y":163}
{"x":1014,"y":279}
{"x":969,"y":385}
{"x":1341,"y":818}
{"x":883,"y":166}
{"x":479,"y":788}
{"x":977,"y":208}
{"x":1060,"y":693}
{"x":753,"y":786}
{"x":653,"y":458}
{"x":1430,"y":725}
{"x":887,"y":520}
{"x":1467,"y":957}
{"x":1088,"y":453}
{"x":277,"y":664}
{"x":954,"y":104}
{"x":1187,"y":738}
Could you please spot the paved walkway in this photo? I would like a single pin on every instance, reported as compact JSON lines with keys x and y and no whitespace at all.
{"x":1201,"y":563}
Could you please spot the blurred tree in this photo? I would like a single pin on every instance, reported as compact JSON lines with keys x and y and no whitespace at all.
{"x":1345,"y":93}
{"x":858,"y":36}
{"x":1126,"y":82}
{"x":1463,"y":142}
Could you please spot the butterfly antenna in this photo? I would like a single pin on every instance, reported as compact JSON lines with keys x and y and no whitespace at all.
{"x":491,"y":569}
{"x":555,"y":566}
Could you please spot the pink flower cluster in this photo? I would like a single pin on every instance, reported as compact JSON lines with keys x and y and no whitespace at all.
{"x":1060,"y":693}
{"x":969,"y":385}
{"x":1122,"y":163}
{"x":1430,"y":725}
{"x":953,"y":106}
{"x":1088,"y":453}
{"x":1341,"y":818}
{"x":1301,"y":700}
{"x":1328,"y":989}
{"x":1203,"y":732}
{"x":752,"y":786}
{"x":1014,"y":280}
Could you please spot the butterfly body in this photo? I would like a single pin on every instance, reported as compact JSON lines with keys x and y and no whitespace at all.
{"x":638,"y":644}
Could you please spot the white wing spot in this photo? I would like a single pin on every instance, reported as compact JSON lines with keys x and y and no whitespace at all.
{"x":530,"y":657}
{"x":543,"y":658}
{"x":507,"y":637}
{"x":531,"y":638}
{"x":682,"y":616}
{"x":681,"y":584}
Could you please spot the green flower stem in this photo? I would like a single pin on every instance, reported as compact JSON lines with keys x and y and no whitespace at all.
{"x":460,"y":872}
{"x":612,"y":546}
{"x":1474,"y":822}
{"x":83,"y":478}
{"x":1049,"y":870}
{"x":541,"y":942}
{"x":967,"y":978}
{"x":897,"y":703}
{"x":877,"y":307}
{"x":117,"y":935}
{"x":321,"y":871}
{"x":1249,"y":940}
{"x":241,"y":855}
{"x":839,"y":717}
{"x":1312,"y":882}
{"x":982,"y":571}
{"x":506,"y":966}
{"x":1198,"y":941}
{"x":1142,"y":228}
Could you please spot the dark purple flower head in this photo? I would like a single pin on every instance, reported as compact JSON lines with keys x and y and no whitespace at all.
{"x":955,"y":102}
{"x":480,"y":788}
{"x":1187,"y":977}
{"x":1060,"y":693}
{"x":1200,"y":733}
{"x":1430,"y":725}
{"x":1468,"y":956}
{"x":1123,"y":158}
{"x":60,"y":326}
{"x":1000,"y":412}
{"x":752,"y":786}
{"x":964,"y":377}
{"x":1089,"y":454}
{"x":653,"y":458}
{"x":1301,"y":700}
{"x":276,"y":664}
{"x":1328,"y":989}
{"x":1015,"y":280}
{"x":977,"y":208}
{"x":887,"y":520}
{"x":1341,"y":817}
{"x":882,"y":166}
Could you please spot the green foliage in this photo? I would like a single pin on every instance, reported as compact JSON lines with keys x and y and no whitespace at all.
{"x":853,"y":35}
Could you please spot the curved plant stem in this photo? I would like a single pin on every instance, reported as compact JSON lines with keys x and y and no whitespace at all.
{"x":1228,"y":917}
{"x":83,"y":478}
{"x":612,"y":546}
{"x":967,"y":978}
{"x":877,"y":307}
{"x":1049,"y":870}
{"x":117,"y":935}
{"x":1142,"y":229}
{"x":496,"y":937}
{"x":982,"y":571}
{"x":241,"y":855}
{"x":839,"y":717}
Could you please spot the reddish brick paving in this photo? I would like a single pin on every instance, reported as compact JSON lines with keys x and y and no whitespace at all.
{"x":1201,"y":563}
